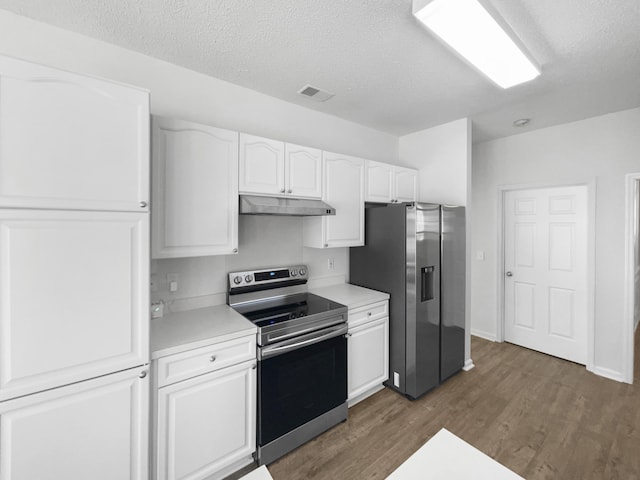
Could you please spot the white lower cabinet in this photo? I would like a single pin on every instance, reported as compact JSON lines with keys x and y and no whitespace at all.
{"x":96,"y":429}
{"x":206,"y":425}
{"x":367,"y":350}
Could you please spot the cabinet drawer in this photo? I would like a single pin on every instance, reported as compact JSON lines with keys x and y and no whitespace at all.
{"x":181,"y":366}
{"x":365,"y":314}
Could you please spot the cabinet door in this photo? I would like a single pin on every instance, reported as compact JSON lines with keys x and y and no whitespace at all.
{"x":74,"y":290}
{"x":303,"y":168}
{"x":379,"y":182}
{"x":71,"y":141}
{"x":206,"y":423}
{"x":344,"y":191}
{"x":195,"y":190}
{"x":368,"y":354}
{"x":261,"y":165}
{"x":405,"y":184}
{"x":95,"y":429}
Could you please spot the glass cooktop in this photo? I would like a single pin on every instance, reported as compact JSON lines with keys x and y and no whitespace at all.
{"x":277,"y":310}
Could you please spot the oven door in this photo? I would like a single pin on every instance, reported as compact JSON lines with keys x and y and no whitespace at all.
{"x":300,"y":379}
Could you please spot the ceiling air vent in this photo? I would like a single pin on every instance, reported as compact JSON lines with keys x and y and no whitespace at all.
{"x":315,"y":93}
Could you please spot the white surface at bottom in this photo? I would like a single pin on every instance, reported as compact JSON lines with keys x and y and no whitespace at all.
{"x":260,"y":473}
{"x":447,"y":457}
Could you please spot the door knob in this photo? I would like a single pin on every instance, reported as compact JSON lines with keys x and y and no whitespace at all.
{"x":509,"y":274}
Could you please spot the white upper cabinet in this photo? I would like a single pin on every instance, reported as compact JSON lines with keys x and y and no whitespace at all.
{"x":71,"y":141}
{"x":271,"y":167}
{"x":195,"y":189}
{"x":74,"y":296}
{"x":343,"y":186}
{"x":303,"y":171}
{"x":379,"y":182}
{"x":405,"y":184}
{"x":390,"y":184}
{"x":261,"y":165}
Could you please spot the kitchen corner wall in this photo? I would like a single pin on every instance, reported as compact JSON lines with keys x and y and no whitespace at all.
{"x":186,"y":94}
{"x":442,"y":155}
{"x":599,"y":152}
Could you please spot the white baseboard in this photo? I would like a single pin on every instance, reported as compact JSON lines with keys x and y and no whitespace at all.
{"x":468,"y":365}
{"x":486,"y":335}
{"x":608,"y":373}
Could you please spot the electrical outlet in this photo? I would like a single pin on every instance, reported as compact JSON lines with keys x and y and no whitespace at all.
{"x":172,"y":281}
{"x":331,"y":263}
{"x":396,"y":379}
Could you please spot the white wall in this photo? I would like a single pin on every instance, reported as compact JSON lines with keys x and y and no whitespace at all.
{"x":598,"y":150}
{"x":182,"y":93}
{"x":442,"y":155}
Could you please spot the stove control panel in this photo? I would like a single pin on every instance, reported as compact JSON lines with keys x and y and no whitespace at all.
{"x":268,"y":276}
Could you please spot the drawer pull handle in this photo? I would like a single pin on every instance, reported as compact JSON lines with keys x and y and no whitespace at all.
{"x":369,"y":313}
{"x":143,"y":374}
{"x":348,"y":335}
{"x":212,"y":358}
{"x":254,"y":366}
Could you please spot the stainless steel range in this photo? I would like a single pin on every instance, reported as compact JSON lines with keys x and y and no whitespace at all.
{"x":302,"y":356}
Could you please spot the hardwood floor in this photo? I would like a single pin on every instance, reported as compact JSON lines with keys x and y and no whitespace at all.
{"x":542,"y":417}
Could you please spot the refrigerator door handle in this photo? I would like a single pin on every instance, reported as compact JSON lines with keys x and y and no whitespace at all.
{"x":427,"y":279}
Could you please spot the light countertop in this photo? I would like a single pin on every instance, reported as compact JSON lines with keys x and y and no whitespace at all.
{"x":182,"y":331}
{"x":350,"y":295}
{"x":447,"y":456}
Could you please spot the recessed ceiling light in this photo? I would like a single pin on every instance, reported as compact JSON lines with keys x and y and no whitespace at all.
{"x":521,"y":122}
{"x":482,"y":39}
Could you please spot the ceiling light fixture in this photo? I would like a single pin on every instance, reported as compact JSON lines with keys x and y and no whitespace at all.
{"x":481,"y":38}
{"x":521,"y":122}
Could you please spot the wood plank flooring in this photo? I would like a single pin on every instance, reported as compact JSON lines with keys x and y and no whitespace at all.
{"x":542,"y":417}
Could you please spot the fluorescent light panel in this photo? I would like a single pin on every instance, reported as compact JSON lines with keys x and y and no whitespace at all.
{"x":469,"y":29}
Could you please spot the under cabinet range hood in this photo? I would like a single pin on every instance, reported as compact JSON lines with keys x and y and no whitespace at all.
{"x":300,"y":207}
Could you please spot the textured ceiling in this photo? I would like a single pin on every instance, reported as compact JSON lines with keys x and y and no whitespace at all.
{"x":385,"y":70}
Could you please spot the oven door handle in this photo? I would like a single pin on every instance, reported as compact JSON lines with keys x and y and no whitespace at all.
{"x":296,"y":343}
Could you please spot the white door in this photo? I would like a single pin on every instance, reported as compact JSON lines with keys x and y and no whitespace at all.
{"x":206,"y":423}
{"x":545,"y":272}
{"x":261,"y":165}
{"x":303,"y":167}
{"x":71,"y":141}
{"x":97,"y":429}
{"x":74,"y":290}
{"x":195,"y":194}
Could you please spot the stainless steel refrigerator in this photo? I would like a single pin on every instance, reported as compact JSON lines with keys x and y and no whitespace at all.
{"x":416,"y":253}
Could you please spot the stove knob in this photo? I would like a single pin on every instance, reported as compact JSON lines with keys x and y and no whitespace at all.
{"x":237,"y":280}
{"x":294,"y":272}
{"x":302,"y":272}
{"x":292,"y":315}
{"x":248,"y":278}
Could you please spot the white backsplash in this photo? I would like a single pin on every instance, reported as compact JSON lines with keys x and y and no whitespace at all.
{"x":264,"y":241}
